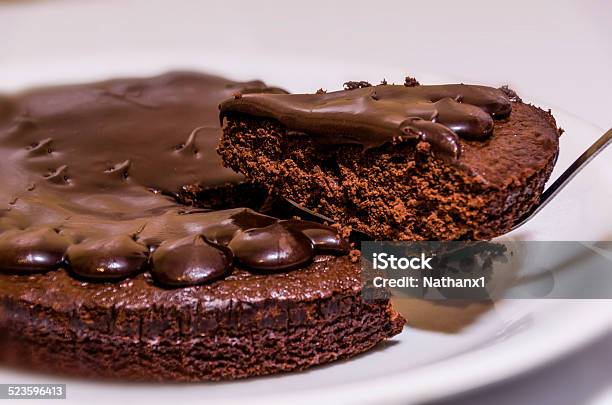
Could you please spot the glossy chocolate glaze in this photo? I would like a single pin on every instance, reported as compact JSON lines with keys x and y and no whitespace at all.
{"x":374,"y":115}
{"x":89,"y":172}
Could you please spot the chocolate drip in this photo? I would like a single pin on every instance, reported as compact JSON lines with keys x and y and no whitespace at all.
{"x":373,"y":116}
{"x":190,"y":261}
{"x":79,"y":163}
{"x":324,"y":238}
{"x":285,"y":245}
{"x":113,"y":258}
{"x":32,"y":250}
{"x":272,"y":248}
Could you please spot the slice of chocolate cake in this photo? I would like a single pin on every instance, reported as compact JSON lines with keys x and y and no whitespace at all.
{"x":397,"y":162}
{"x":106,"y":272}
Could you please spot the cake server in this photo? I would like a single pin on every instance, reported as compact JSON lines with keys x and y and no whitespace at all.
{"x":551,"y":192}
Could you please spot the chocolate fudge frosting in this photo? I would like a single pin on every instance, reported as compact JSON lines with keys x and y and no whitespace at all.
{"x":374,"y":115}
{"x":89,"y":177}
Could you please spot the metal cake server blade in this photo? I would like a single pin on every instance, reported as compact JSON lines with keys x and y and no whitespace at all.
{"x":308,"y":214}
{"x":551,"y":192}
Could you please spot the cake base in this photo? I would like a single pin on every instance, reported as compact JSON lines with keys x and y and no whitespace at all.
{"x":246,"y":325}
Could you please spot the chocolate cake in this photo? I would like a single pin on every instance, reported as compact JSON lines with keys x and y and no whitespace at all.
{"x":409,"y":162}
{"x":127,"y":251}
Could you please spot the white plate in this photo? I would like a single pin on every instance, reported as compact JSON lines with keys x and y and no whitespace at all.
{"x":417,"y":365}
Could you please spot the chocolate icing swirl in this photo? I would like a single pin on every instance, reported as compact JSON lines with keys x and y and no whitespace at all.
{"x":91,"y":171}
{"x":374,"y":115}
